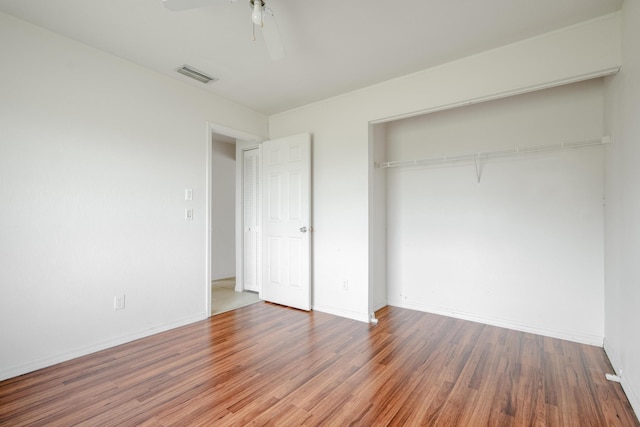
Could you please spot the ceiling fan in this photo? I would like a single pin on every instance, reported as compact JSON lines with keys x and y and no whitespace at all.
{"x":261,"y":16}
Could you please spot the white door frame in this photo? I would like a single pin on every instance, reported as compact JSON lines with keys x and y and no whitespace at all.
{"x":214,"y":128}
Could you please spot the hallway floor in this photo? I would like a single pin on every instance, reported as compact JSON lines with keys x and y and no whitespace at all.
{"x":225,"y":298}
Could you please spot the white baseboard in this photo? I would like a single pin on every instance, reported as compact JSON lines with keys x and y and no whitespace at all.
{"x":223,"y":279}
{"x":362,"y":317}
{"x":45,"y":362}
{"x":378,"y":306}
{"x":634,"y":400}
{"x":503,"y":323}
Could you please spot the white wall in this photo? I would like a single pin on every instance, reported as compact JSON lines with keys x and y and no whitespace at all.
{"x":223,"y":210}
{"x":95,"y":154}
{"x":524,"y":246}
{"x":340,"y":128}
{"x":622,"y":211}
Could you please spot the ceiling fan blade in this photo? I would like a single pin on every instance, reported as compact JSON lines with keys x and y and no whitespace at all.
{"x":272,"y":37}
{"x":178,"y":5}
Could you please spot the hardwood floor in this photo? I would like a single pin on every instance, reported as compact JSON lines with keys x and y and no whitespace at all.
{"x":268,"y":365}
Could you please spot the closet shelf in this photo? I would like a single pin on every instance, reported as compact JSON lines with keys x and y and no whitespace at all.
{"x":488,"y":154}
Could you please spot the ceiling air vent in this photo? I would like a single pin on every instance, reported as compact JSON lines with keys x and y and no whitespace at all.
{"x":195,"y":74}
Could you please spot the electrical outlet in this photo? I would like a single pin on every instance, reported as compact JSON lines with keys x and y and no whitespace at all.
{"x":118,"y":302}
{"x":345,"y":285}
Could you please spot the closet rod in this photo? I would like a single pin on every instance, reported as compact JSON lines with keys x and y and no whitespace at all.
{"x":488,"y":154}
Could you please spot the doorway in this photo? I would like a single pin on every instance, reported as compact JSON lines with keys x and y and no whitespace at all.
{"x":287,"y":201}
{"x":225,"y":258}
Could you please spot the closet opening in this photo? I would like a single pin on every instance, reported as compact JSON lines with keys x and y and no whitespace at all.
{"x":493,"y":212}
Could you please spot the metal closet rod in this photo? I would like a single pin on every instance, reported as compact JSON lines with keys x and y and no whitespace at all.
{"x":488,"y":154}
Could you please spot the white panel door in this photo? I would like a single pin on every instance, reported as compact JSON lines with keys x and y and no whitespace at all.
{"x":286,"y":221}
{"x":251,"y":220}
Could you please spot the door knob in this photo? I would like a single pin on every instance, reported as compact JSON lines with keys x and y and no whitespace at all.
{"x":303,"y":229}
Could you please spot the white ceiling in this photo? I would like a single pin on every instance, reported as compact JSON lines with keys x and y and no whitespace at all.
{"x":333,"y":46}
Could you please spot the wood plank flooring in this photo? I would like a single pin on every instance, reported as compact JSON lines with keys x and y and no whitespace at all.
{"x":269,"y":365}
